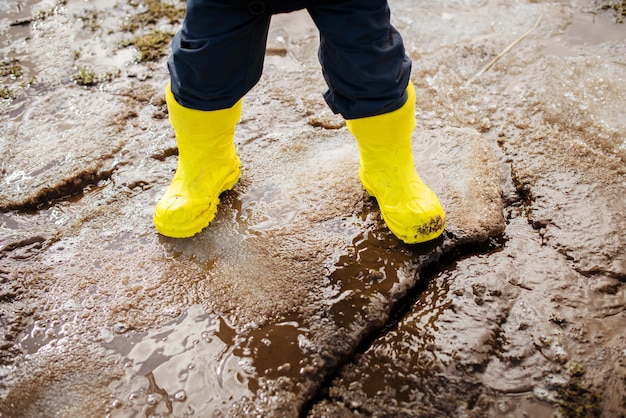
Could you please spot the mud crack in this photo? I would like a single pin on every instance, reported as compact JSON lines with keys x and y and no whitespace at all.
{"x":63,"y":189}
{"x":450,"y":251}
{"x":37,"y":240}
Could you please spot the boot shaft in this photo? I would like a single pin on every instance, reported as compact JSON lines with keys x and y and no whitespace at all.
{"x":386,"y":140}
{"x":203,"y":135}
{"x":192,"y":123}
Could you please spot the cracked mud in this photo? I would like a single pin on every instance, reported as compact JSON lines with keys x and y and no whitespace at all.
{"x":297,"y":301}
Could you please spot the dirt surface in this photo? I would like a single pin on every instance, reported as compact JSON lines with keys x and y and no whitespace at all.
{"x":297,"y":301}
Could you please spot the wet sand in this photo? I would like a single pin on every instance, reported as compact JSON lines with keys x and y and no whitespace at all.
{"x":297,"y":301}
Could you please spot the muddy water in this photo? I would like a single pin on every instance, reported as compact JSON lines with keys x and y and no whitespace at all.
{"x":297,"y":282}
{"x":528,"y":330}
{"x":490,"y":336}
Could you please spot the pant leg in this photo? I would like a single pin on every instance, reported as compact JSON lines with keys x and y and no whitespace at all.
{"x":217,"y":56}
{"x":362,"y":56}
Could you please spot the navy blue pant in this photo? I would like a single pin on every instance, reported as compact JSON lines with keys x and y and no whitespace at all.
{"x":218,"y":54}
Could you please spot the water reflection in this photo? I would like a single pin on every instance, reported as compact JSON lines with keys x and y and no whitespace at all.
{"x":195,"y":364}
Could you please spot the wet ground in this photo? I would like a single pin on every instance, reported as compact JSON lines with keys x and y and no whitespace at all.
{"x":297,"y":301}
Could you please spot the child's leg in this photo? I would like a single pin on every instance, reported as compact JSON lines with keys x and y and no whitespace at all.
{"x":362,"y":57}
{"x":367,"y":72}
{"x":217,"y":56}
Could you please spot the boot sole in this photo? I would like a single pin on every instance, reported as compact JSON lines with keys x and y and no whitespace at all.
{"x":203,"y":220}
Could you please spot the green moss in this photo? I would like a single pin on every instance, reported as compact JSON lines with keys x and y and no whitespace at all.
{"x":86,"y":76}
{"x":153,"y":12}
{"x":11,"y":68}
{"x":44,"y":14}
{"x":90,"y":20}
{"x":618,"y":7}
{"x":577,"y":400}
{"x":28,"y":82}
{"x":577,"y":370}
{"x":6,"y":93}
{"x":151,"y":46}
{"x":151,"y":42}
{"x":109,"y":76}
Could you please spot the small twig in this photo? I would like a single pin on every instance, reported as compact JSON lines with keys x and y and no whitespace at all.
{"x":501,"y":54}
{"x":21,"y":22}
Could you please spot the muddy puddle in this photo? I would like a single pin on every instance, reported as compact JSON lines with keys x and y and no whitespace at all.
{"x":297,"y":301}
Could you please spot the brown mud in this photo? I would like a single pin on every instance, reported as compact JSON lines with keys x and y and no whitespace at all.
{"x":297,"y":301}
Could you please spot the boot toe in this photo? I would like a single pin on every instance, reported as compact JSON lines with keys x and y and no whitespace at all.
{"x":179,"y":217}
{"x":416,"y":218}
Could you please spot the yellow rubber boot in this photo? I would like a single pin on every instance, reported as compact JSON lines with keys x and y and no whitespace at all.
{"x":410,"y":209}
{"x":207,"y":166}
